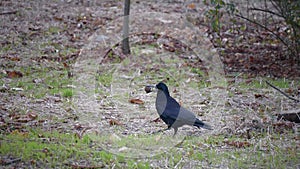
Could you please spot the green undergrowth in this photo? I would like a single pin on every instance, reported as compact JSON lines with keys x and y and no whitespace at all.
{"x":38,"y":82}
{"x":260,"y":82}
{"x":54,"y":149}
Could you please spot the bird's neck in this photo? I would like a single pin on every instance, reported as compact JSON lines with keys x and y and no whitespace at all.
{"x":161,"y":101}
{"x":166,"y":92}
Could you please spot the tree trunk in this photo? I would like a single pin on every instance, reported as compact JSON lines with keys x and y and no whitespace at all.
{"x":125,"y":42}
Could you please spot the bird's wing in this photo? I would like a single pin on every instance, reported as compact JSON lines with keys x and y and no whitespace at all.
{"x":171,"y":110}
{"x":189,"y":118}
{"x":172,"y":103}
{"x":178,"y":113}
{"x":186,"y":116}
{"x":176,"y":116}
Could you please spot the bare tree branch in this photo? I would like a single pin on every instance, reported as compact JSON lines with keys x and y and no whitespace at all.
{"x":266,"y":28}
{"x":267,"y":11}
{"x":296,"y":100}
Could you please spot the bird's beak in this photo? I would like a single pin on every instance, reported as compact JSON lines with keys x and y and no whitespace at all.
{"x":150,"y":88}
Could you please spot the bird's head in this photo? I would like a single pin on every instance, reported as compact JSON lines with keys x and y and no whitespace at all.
{"x":160,"y":86}
{"x":163,"y":87}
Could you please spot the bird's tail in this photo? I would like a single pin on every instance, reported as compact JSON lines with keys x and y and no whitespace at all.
{"x":199,"y":124}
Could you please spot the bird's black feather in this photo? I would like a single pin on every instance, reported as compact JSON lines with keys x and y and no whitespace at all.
{"x":172,"y":113}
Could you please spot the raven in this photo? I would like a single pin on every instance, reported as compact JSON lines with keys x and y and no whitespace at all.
{"x":171,"y":112}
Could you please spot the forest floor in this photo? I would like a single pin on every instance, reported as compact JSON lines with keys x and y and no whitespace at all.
{"x":69,"y":98}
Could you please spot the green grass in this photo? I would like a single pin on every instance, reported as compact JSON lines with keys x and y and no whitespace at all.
{"x":48,"y":82}
{"x":246,"y":157}
{"x":55,"y":149}
{"x":104,"y":78}
{"x":51,"y":148}
{"x":260,"y":83}
{"x":5,"y":48}
{"x":53,"y":30}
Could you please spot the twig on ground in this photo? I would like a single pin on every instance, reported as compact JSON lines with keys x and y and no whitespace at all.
{"x":296,"y":100}
{"x":8,"y":12}
{"x":11,"y":161}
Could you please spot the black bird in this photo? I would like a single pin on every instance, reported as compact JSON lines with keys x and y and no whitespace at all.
{"x":171,"y":112}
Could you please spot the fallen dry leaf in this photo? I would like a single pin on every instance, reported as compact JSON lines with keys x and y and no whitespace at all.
{"x":192,"y":6}
{"x":113,"y":122}
{"x":14,"y":74}
{"x":15,"y":59}
{"x":24,"y":118}
{"x":32,"y":115}
{"x":136,"y":101}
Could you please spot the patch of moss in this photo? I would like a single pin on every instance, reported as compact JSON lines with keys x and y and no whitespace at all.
{"x":67,"y":92}
{"x":104,"y":79}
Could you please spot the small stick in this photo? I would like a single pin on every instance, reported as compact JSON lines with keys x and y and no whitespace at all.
{"x":8,"y":12}
{"x":12,"y":161}
{"x":296,"y":100}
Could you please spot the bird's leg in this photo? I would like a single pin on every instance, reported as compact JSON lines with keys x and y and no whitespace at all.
{"x":175,"y":131}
